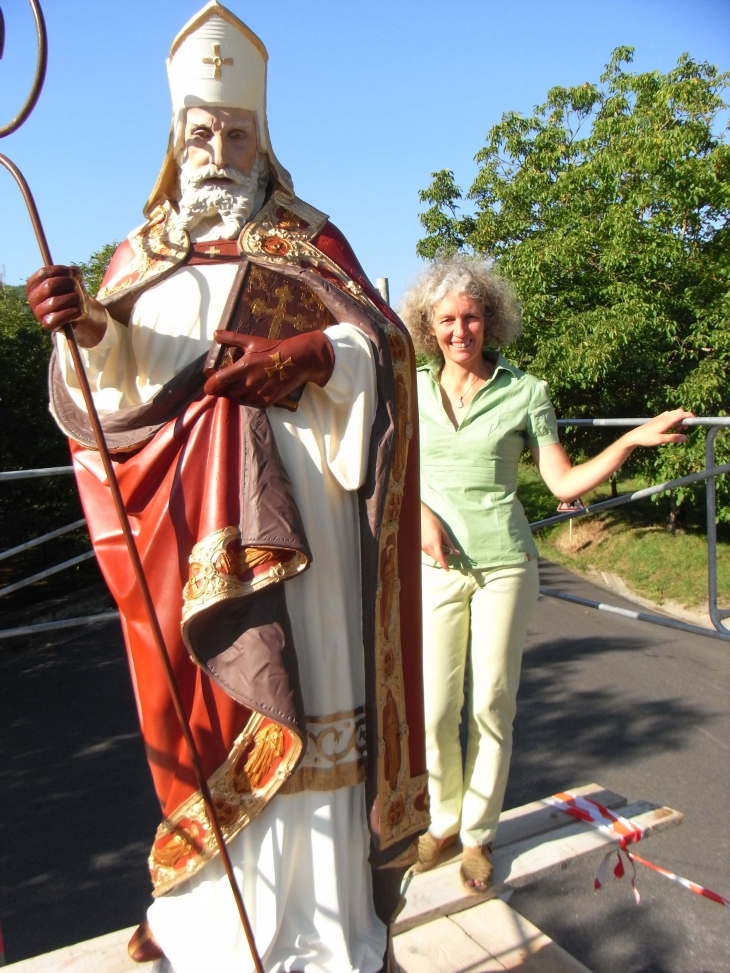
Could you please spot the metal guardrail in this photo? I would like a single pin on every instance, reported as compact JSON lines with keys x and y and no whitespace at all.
{"x":711,"y":471}
{"x":60,"y":623}
{"x":717,"y":615}
{"x":42,"y":539}
{"x":32,"y":474}
{"x":35,"y":542}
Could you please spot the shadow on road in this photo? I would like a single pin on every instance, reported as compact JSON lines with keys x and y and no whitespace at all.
{"x":562,"y":732}
{"x":78,"y":811}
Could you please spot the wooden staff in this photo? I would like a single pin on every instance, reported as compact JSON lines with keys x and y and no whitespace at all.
{"x":106,"y":459}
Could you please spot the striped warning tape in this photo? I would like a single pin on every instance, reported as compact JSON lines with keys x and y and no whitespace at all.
{"x":626,"y":833}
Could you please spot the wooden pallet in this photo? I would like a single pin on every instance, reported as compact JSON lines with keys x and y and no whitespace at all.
{"x":527,"y":855}
{"x":442,"y":928}
{"x":105,"y":954}
{"x":487,"y":937}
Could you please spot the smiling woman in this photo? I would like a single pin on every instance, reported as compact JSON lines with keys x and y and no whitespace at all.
{"x":477,"y":413}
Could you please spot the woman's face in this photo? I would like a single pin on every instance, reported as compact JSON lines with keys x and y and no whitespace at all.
{"x":458,"y":323}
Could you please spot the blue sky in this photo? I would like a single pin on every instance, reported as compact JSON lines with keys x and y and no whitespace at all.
{"x":365,"y":101}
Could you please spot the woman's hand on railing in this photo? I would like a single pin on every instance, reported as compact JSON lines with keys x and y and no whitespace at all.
{"x":434,"y":540}
{"x":654,"y":432}
{"x":568,"y":482}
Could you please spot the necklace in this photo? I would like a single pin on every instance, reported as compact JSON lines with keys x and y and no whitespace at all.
{"x":460,"y":398}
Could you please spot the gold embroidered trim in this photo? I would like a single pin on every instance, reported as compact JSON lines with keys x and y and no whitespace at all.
{"x":260,"y":762}
{"x":332,"y":779}
{"x":216,"y":565}
{"x":335,"y":754}
{"x":220,"y":11}
{"x":343,"y":714}
{"x":403,"y":800}
{"x":158,"y":246}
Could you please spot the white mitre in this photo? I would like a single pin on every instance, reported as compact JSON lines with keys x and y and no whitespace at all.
{"x":215,"y":60}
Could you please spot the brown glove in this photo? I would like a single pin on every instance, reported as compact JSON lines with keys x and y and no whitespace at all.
{"x":57,"y":296}
{"x":269,"y":371}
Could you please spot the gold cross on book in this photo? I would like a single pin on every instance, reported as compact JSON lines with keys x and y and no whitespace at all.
{"x":211,"y":252}
{"x":280,"y":315}
{"x":217,"y":60}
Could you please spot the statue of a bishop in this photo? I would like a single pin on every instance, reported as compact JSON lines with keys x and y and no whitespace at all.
{"x":259,"y":402}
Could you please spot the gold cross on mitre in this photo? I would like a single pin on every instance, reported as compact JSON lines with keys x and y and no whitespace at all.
{"x":217,"y":60}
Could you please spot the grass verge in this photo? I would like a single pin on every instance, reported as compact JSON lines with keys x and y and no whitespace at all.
{"x":632,"y":542}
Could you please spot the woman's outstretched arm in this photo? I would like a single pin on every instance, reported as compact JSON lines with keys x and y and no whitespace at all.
{"x":568,"y":482}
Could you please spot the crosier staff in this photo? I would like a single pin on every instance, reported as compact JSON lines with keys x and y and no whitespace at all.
{"x":106,"y":459}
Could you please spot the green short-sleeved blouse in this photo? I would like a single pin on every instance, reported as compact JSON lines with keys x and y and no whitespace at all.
{"x":469,"y":474}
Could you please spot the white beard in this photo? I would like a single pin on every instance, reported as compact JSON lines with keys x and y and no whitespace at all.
{"x":215,"y":211}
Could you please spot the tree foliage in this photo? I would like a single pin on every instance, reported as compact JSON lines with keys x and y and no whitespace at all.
{"x":95,"y":267}
{"x":29,"y":437}
{"x":608,"y":211}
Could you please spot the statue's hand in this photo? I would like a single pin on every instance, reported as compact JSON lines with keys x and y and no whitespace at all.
{"x":269,"y":371}
{"x":57,"y":296}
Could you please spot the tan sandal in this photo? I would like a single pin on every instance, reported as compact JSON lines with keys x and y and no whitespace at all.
{"x":477,"y":871}
{"x":429,"y":851}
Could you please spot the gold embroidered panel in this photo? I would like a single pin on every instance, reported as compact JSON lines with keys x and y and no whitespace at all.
{"x":260,"y":761}
{"x":158,"y":246}
{"x":335,"y":753}
{"x":403,"y":800}
{"x":221,"y":568}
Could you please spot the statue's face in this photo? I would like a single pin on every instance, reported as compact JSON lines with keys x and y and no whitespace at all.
{"x":221,"y":137}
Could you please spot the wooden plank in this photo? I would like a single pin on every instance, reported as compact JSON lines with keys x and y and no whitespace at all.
{"x":105,"y":954}
{"x":518,"y":864}
{"x":440,"y":892}
{"x":520,"y":823}
{"x":442,"y":947}
{"x":514,"y":941}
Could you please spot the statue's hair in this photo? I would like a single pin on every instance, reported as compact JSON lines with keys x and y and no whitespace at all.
{"x":460,"y":274}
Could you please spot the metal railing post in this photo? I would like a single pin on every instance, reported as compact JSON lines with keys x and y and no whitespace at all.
{"x":716,"y":615}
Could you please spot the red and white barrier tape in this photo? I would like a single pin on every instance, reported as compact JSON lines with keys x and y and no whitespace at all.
{"x":625,"y":833}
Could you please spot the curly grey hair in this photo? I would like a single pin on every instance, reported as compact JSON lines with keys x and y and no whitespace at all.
{"x":460,"y":274}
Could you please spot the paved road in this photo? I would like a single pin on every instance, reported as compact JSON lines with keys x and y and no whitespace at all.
{"x":642,"y":710}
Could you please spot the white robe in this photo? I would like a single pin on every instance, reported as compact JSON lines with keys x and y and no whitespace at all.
{"x":302,"y":864}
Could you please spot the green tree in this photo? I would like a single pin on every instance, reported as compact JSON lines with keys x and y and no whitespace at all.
{"x":29,"y":438}
{"x":28,"y":435}
{"x":608,"y":211}
{"x":95,"y":267}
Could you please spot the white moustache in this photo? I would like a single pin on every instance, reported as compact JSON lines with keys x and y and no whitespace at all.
{"x":196,"y":177}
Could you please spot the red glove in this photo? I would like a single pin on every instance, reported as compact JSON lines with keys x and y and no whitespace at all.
{"x":269,"y":371}
{"x":57,"y":296}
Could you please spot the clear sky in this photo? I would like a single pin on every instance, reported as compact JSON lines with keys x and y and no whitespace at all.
{"x":366,"y":99}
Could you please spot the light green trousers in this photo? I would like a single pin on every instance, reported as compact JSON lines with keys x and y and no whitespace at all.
{"x":484,"y":613}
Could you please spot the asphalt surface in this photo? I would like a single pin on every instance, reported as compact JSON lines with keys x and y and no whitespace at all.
{"x":642,"y":710}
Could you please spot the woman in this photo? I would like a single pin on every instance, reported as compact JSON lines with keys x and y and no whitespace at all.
{"x":480,"y":581}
